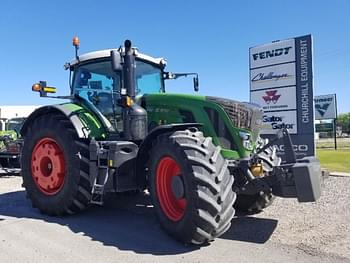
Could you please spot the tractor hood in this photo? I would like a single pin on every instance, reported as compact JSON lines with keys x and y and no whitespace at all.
{"x":233,"y":125}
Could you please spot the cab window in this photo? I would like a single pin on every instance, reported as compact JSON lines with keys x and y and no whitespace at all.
{"x":99,"y":85}
{"x":148,"y":78}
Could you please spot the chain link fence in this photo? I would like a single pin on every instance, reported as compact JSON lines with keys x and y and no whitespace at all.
{"x":328,"y":143}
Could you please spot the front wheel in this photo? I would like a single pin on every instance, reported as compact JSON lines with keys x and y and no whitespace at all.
{"x":190,"y":186}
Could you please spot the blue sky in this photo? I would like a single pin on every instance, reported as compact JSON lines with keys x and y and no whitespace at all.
{"x":208,"y":37}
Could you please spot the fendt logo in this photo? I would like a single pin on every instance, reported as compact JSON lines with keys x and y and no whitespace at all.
{"x":322,"y":108}
{"x":271,"y":53}
{"x":271,"y":96}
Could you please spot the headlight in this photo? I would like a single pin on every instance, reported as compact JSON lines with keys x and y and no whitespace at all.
{"x":245,"y":137}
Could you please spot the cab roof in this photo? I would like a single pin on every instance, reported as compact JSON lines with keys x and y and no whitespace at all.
{"x":107,"y":53}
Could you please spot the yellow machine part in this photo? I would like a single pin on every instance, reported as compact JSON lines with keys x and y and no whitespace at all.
{"x":257,"y":170}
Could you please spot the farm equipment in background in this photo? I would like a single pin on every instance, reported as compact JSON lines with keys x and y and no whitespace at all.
{"x":10,"y":143}
{"x":120,"y":131}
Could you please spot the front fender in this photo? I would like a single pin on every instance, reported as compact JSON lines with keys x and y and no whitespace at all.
{"x":85,"y":123}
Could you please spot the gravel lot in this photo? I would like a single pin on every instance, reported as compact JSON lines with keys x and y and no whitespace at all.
{"x":126,"y":230}
{"x":321,"y":227}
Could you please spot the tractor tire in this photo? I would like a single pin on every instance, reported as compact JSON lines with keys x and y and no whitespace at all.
{"x":256,"y":203}
{"x":269,"y":157}
{"x":190,"y":186}
{"x":55,"y":166}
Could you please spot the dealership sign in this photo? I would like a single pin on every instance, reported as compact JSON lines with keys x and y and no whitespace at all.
{"x":325,"y":107}
{"x":281,"y":83}
{"x":324,"y":127}
{"x":278,"y":120}
{"x":273,"y":76}
{"x":275,"y":99}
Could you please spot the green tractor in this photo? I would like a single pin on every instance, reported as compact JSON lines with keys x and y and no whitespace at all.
{"x":10,"y":144}
{"x":198,"y":157}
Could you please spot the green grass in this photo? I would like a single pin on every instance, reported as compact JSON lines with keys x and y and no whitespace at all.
{"x":335,"y":160}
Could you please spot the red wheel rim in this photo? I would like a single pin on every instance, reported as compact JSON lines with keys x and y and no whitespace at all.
{"x":48,"y":166}
{"x":173,"y":208}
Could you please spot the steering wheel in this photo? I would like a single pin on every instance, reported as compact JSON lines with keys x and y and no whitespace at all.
{"x":103,"y":101}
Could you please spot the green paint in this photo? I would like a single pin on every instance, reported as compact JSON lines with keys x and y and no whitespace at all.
{"x":229,"y":154}
{"x":89,"y":120}
{"x":169,"y":108}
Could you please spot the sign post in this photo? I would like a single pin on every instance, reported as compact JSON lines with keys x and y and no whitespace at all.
{"x":335,"y":122}
{"x":281,"y":81}
{"x":335,"y":134}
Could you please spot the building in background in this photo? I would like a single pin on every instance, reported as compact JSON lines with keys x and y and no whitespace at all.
{"x":15,"y":111}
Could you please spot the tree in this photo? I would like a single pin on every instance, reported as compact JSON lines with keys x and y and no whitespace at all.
{"x":343,"y":121}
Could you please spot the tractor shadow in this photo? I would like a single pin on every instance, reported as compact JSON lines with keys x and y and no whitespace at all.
{"x":129,"y":223}
{"x":251,"y":229}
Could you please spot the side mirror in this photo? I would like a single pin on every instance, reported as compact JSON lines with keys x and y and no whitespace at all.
{"x":196,"y":83}
{"x":116,"y":60}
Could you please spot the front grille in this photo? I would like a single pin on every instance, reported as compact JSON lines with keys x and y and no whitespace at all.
{"x":221,"y":130}
{"x":242,"y":115}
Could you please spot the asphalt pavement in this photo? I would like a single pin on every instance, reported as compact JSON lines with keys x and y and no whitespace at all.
{"x":126,"y":230}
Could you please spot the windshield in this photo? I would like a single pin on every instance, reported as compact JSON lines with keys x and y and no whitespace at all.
{"x":99,"y":76}
{"x":99,"y":85}
{"x":15,"y":124}
{"x":148,"y":79}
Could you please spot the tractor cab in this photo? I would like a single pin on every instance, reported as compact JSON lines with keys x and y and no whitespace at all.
{"x":102,"y":85}
{"x":93,"y":71}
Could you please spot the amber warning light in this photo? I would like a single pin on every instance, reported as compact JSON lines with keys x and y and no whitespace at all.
{"x":43,"y":89}
{"x":36,"y":87}
{"x":76,"y":41}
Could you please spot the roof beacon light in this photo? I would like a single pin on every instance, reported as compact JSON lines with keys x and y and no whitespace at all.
{"x":76,"y":44}
{"x":76,"y":41}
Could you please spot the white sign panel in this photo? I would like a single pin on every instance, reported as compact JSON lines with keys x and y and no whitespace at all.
{"x":273,"y":76}
{"x":275,"y":99}
{"x":325,"y":107}
{"x":274,"y":121}
{"x":273,"y":53}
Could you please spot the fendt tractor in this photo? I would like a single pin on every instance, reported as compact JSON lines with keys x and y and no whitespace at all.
{"x":199,"y":158}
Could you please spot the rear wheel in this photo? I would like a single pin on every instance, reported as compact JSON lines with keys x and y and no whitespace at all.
{"x":256,"y":203}
{"x":55,"y":166}
{"x":190,"y":186}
